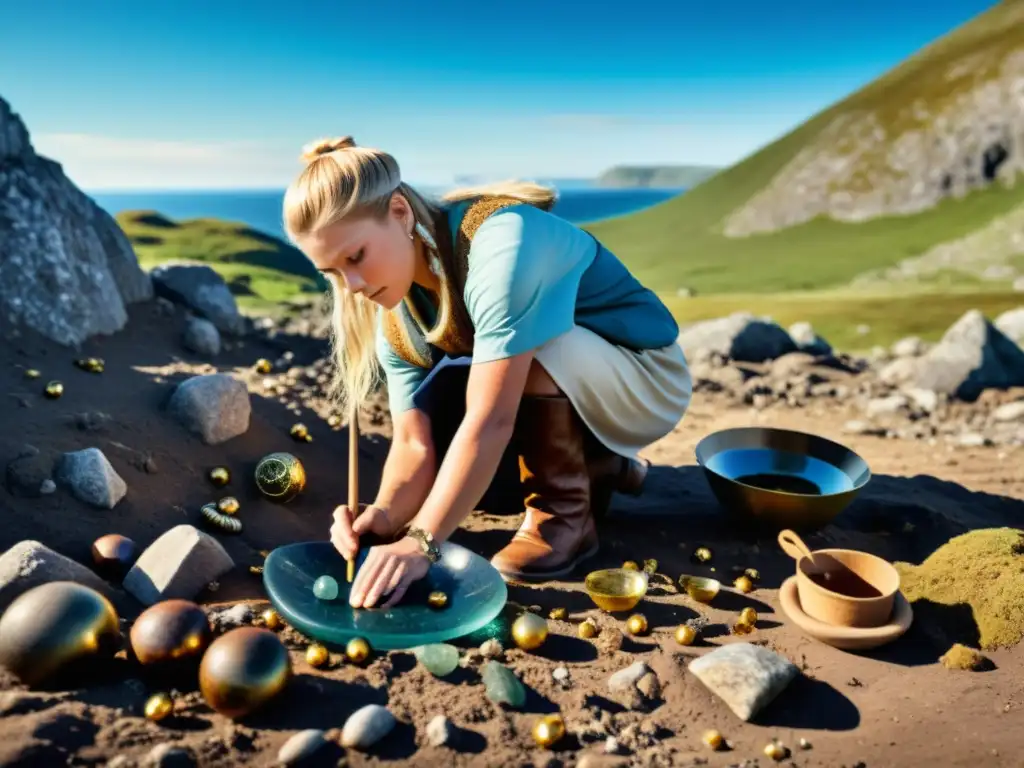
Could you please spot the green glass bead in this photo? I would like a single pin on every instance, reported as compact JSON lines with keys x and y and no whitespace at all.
{"x":440,"y":659}
{"x":502,"y":686}
{"x":325,"y":588}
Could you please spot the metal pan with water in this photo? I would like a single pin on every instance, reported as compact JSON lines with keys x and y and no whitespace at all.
{"x":781,"y":478}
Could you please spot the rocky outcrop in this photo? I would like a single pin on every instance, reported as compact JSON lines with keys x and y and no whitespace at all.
{"x":67,"y":270}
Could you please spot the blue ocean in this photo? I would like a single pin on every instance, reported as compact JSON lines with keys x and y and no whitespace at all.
{"x":262,"y":209}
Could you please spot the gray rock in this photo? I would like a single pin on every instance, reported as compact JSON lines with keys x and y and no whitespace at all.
{"x":300,"y":746}
{"x":807,"y":340}
{"x":740,"y":336}
{"x":909,"y":346}
{"x":201,"y":336}
{"x":366,"y":726}
{"x":90,"y":478}
{"x":29,"y":563}
{"x":179,"y":564}
{"x":440,"y":731}
{"x":25,"y":475}
{"x":202,"y":290}
{"x":167,"y":755}
{"x":214,"y":406}
{"x":625,"y":679}
{"x":1009,"y":411}
{"x":68,"y":271}
{"x":1011,"y":323}
{"x":972,"y":356}
{"x":745,"y":676}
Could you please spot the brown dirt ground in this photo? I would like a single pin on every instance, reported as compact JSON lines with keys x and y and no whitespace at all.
{"x":892,"y":707}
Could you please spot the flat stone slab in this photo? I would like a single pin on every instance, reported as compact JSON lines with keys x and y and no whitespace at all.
{"x":179,"y":564}
{"x":745,"y":676}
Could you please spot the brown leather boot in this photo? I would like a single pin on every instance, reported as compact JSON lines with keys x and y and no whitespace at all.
{"x":558,"y":531}
{"x":611,"y":472}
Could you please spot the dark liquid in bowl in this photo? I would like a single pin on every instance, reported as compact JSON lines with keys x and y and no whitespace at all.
{"x":845,"y":582}
{"x":785,"y":483}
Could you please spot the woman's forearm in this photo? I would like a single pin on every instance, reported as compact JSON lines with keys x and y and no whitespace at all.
{"x":405,"y":481}
{"x":468,"y":468}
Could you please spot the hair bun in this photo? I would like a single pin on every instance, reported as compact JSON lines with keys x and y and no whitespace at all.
{"x":315,"y":149}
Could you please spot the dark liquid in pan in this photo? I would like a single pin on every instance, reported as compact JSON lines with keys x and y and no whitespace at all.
{"x":845,"y":582}
{"x":785,"y":483}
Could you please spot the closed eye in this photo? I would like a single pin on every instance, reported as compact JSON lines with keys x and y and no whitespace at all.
{"x":357,"y":257}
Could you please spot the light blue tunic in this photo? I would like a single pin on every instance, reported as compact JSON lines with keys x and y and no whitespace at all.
{"x":532,"y":277}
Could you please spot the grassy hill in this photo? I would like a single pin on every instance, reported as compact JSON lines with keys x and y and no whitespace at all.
{"x":263,"y":272}
{"x":682,"y":242}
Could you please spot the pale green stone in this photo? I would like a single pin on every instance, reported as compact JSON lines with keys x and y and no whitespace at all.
{"x":440,"y":659}
{"x":502,"y":686}
{"x":325,"y":588}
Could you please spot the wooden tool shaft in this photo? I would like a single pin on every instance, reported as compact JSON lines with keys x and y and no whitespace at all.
{"x":353,"y":473}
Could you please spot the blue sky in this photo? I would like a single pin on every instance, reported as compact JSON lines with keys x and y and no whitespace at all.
{"x":223,"y":94}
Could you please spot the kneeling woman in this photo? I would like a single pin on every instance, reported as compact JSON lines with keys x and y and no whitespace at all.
{"x":573,"y":362}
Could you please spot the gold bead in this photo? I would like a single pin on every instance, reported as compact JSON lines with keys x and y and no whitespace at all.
{"x":776,"y":751}
{"x":650,"y":566}
{"x":587,"y":629}
{"x":263,"y":365}
{"x":548,"y":730}
{"x":317,"y":655}
{"x":702,"y":555}
{"x":32,"y":373}
{"x":685,"y":634}
{"x":630,"y":565}
{"x":54,"y":390}
{"x":298,"y":431}
{"x":220,"y":476}
{"x":713,"y":739}
{"x":437,"y":599}
{"x":558,"y":614}
{"x":742,"y":628}
{"x":753,"y":574}
{"x":357,"y":650}
{"x":334,"y":420}
{"x":744,"y":584}
{"x":228,"y":505}
{"x":529,"y":631}
{"x":158,"y":706}
{"x":271,"y":619}
{"x":637,"y":624}
{"x":748,"y":616}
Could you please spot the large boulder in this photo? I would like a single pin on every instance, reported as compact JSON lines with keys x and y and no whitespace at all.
{"x":972,"y":356}
{"x":67,"y":270}
{"x":201,"y":289}
{"x":740,"y":336}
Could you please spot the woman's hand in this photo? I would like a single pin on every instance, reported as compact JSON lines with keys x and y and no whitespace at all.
{"x":345,"y":532}
{"x":388,"y":569}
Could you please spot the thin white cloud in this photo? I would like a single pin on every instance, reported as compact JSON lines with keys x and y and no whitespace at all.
{"x":84,"y":146}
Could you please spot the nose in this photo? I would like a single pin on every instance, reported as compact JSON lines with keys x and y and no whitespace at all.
{"x":354,"y":281}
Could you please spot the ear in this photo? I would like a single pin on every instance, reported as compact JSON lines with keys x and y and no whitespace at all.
{"x":402,"y":211}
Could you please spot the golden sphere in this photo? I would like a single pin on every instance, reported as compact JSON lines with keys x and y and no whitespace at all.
{"x":54,"y":389}
{"x":170,"y":630}
{"x":713,"y":739}
{"x":317,"y":655}
{"x":748,"y":616}
{"x":587,"y":629}
{"x":637,"y":624}
{"x":158,"y":706}
{"x":357,"y":650}
{"x":32,"y":373}
{"x":298,"y":431}
{"x":334,"y":420}
{"x":685,"y":634}
{"x":548,"y":730}
{"x":228,"y":505}
{"x":280,"y":476}
{"x":272,"y":620}
{"x":242,"y":670}
{"x":744,"y":584}
{"x":529,"y":631}
{"x":702,"y":555}
{"x":55,"y":626}
{"x":558,"y":614}
{"x":263,"y":365}
{"x":113,"y":555}
{"x":630,"y":565}
{"x":437,"y":599}
{"x":776,"y":751}
{"x":220,"y":476}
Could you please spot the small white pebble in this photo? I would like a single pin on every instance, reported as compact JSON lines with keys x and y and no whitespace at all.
{"x":805,"y":744}
{"x":439,"y":731}
{"x":561,"y":675}
{"x":366,"y":726}
{"x":300,"y":746}
{"x":611,"y":745}
{"x":491,"y":649}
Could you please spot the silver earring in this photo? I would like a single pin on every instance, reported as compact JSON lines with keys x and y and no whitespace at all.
{"x":435,"y":265}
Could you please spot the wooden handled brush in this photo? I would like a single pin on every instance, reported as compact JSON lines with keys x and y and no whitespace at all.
{"x":353,"y":473}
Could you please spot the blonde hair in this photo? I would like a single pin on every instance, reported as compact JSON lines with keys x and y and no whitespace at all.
{"x":341,"y":179}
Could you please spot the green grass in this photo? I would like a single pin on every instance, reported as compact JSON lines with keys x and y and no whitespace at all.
{"x":836,"y":315}
{"x":679,"y":242}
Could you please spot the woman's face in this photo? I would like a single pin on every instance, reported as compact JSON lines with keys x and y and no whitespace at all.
{"x":374,"y":257}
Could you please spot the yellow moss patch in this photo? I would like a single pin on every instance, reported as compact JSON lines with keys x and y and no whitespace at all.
{"x":962,"y":657}
{"x":983,"y":569}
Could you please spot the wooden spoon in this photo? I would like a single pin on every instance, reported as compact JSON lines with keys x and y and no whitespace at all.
{"x":794,"y":546}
